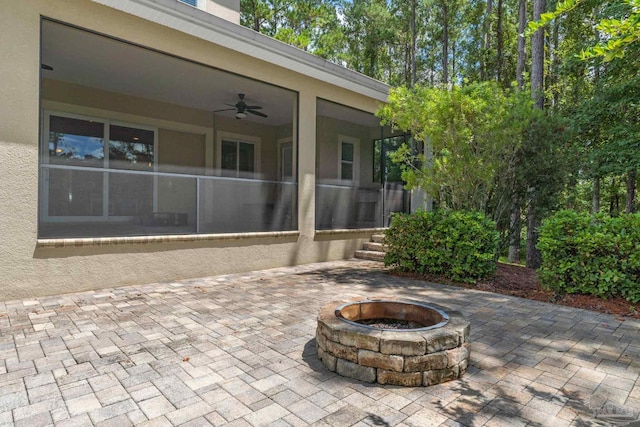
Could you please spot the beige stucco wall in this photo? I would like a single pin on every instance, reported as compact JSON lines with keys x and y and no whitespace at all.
{"x":27,"y":270}
{"x":226,"y":9}
{"x":328,"y":149}
{"x":181,"y":152}
{"x":71,"y":98}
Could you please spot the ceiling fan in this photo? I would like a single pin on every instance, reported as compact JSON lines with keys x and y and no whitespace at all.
{"x":242,"y":108}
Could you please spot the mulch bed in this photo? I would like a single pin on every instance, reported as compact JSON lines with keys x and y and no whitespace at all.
{"x":522,"y":282}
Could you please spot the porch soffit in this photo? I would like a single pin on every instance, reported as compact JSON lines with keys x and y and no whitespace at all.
{"x":187,"y":19}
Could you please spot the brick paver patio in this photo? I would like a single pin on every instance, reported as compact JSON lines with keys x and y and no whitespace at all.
{"x":239,"y":350}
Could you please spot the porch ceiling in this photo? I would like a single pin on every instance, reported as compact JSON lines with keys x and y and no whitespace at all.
{"x":91,"y":60}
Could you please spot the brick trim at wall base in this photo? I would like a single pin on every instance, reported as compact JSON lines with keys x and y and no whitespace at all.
{"x":105,"y":241}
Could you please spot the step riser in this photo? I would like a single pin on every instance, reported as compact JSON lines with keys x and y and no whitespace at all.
{"x":377,"y":238}
{"x":372,"y":246}
{"x":373,"y":250}
{"x":370,"y":255}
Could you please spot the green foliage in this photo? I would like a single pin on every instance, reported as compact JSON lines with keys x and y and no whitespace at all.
{"x":374,"y":37}
{"x":616,"y":111}
{"x":472,"y":131}
{"x":370,"y":31}
{"x":306,"y":24}
{"x":471,"y":169}
{"x":595,"y":255}
{"x":390,"y":170}
{"x":620,"y":32}
{"x":458,"y":245}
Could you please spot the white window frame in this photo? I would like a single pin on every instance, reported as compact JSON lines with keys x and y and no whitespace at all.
{"x":281,"y":142}
{"x":200,"y":4}
{"x":44,"y":157}
{"x":356,"y":159}
{"x":238,"y":138}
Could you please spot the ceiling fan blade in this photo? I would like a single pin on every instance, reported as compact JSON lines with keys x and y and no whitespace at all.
{"x":226,"y":109}
{"x":253,"y":107}
{"x":257,"y":113}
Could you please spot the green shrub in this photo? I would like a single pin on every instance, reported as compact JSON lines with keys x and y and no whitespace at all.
{"x":594,"y":255}
{"x":458,"y":245}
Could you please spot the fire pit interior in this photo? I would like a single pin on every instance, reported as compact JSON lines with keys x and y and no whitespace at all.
{"x":393,"y":341}
{"x":398,"y":315}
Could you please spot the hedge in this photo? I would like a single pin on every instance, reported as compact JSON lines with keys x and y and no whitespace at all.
{"x":594,"y":255}
{"x":458,"y":245}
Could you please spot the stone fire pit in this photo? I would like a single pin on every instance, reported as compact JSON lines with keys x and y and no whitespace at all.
{"x":393,"y":341}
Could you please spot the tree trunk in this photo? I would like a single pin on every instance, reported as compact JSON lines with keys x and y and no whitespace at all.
{"x":522,"y":54}
{"x":572,"y":192}
{"x":453,"y":63}
{"x":407,"y":66}
{"x":484,"y":69}
{"x":256,"y":19}
{"x":631,"y":191}
{"x":432,"y":75}
{"x":514,"y":232}
{"x":515,"y":224}
{"x":555,"y":64}
{"x":613,"y":199}
{"x":445,"y":43}
{"x":413,"y":43}
{"x":595,"y":207}
{"x":534,"y":258}
{"x":537,"y":57}
{"x":499,"y":44}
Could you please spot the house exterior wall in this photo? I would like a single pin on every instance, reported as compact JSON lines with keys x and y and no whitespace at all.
{"x":67,"y":97}
{"x":29,"y":269}
{"x":329,"y":132}
{"x":226,"y":9}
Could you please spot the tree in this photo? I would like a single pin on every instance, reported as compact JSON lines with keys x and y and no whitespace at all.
{"x":254,"y":14}
{"x":619,"y":32}
{"x":534,"y":219}
{"x":515,"y":223}
{"x":414,"y":35}
{"x":614,"y":107}
{"x":309,"y":25}
{"x":472,"y":130}
{"x":458,"y":44}
{"x":370,"y":33}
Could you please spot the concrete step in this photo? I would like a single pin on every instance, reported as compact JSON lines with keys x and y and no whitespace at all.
{"x":370,"y":255}
{"x":373,"y":246}
{"x":377,"y":238}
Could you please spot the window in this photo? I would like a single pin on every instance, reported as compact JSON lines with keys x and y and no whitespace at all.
{"x":130,"y":148}
{"x":285,"y":156}
{"x":78,"y":144}
{"x":348,"y":167}
{"x":239,"y":155}
{"x":346,"y":162}
{"x":200,"y":4}
{"x":238,"y":159}
{"x":193,"y":3}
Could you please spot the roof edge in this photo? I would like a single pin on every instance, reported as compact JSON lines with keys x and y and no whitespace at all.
{"x":187,"y":19}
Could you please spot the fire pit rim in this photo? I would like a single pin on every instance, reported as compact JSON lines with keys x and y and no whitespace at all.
{"x":445,"y":316}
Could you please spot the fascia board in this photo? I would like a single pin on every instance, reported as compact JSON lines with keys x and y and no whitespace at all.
{"x":190,"y":20}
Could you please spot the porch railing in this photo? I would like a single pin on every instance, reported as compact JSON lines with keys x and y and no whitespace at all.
{"x":346,"y":207}
{"x":78,"y":201}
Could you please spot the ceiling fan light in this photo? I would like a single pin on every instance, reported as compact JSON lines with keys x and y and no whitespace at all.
{"x":240,"y":115}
